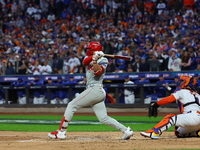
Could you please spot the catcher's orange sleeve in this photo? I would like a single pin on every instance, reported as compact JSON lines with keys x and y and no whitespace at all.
{"x":167,"y":100}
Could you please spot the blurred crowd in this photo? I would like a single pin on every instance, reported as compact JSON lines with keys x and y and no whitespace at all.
{"x":48,"y":36}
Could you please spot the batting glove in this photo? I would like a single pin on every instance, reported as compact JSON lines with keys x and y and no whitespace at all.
{"x":95,"y":57}
{"x":99,"y":53}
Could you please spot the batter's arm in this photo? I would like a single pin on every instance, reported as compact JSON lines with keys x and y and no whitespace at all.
{"x":98,"y":69}
{"x":87,"y":60}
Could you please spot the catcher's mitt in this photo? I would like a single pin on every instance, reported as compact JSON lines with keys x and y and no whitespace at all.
{"x":153,"y":110}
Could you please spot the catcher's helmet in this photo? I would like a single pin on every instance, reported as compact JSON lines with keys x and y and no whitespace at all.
{"x":92,"y":47}
{"x":187,"y":80}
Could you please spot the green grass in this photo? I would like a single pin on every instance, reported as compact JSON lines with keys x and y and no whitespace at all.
{"x":137,"y":123}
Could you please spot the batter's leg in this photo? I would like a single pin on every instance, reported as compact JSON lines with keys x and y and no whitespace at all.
{"x":83,"y":99}
{"x":101,"y":113}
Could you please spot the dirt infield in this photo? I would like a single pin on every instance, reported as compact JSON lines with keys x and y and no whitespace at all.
{"x":92,"y":141}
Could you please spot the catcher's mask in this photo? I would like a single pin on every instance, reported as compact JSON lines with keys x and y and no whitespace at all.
{"x":92,"y":47}
{"x":187,"y":81}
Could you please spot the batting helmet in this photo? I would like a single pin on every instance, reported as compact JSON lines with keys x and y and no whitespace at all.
{"x":92,"y":47}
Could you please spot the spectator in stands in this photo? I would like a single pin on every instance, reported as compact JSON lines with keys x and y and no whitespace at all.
{"x":9,"y":69}
{"x":174,"y":63}
{"x":20,"y":92}
{"x":111,"y":66}
{"x":108,"y":48}
{"x":3,"y":67}
{"x":161,"y":59}
{"x":154,"y":64}
{"x":185,"y":61}
{"x":74,"y":63}
{"x":160,"y":7}
{"x":160,"y":90}
{"x":57,"y":64}
{"x":21,"y":66}
{"x":193,"y":65}
{"x":121,"y":63}
{"x":51,"y":17}
{"x":46,"y":69}
{"x":129,"y":96}
{"x":37,"y":68}
{"x":127,"y":33}
{"x":29,"y":68}
{"x":136,"y":64}
{"x":144,"y":66}
{"x":66,"y":66}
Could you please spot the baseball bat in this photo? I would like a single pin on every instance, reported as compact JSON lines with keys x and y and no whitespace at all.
{"x":118,"y":57}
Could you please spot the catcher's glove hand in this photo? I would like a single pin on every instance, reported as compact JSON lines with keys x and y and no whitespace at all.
{"x":153,"y":110}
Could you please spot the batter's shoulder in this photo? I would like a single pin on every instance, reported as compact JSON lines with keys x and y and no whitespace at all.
{"x":103,"y":60}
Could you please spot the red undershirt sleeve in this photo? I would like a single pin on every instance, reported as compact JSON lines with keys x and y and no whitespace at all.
{"x":87,"y":60}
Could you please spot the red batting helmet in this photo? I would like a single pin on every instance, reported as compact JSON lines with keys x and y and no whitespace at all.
{"x":92,"y":47}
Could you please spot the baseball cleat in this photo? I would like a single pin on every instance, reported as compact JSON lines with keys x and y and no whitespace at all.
{"x":127,"y":134}
{"x":57,"y":134}
{"x":151,"y":135}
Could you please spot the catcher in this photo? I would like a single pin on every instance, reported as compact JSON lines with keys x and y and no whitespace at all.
{"x":187,"y":123}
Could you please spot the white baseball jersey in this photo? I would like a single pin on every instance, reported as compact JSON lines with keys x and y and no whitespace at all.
{"x":185,"y":96}
{"x":94,"y":96}
{"x":45,"y":70}
{"x":65,"y":68}
{"x":129,"y":94}
{"x":74,"y":62}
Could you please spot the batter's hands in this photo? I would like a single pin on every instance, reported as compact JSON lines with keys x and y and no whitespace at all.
{"x":97,"y":55}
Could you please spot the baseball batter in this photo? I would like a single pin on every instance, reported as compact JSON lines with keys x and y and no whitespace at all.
{"x":94,"y":94}
{"x":187,"y":123}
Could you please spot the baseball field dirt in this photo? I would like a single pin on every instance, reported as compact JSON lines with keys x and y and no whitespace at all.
{"x":10,"y":140}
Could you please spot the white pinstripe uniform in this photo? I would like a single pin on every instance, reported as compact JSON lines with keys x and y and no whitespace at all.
{"x":94,"y":95}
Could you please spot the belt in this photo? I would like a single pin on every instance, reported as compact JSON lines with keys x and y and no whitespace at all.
{"x":194,"y":112}
{"x":91,"y":85}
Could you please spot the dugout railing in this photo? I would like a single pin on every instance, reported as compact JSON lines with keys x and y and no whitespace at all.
{"x":114,"y":88}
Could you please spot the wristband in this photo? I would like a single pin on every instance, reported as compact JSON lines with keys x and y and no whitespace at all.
{"x":94,"y":62}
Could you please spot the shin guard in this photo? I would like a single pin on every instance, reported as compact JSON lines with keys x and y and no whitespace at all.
{"x":165,"y":124}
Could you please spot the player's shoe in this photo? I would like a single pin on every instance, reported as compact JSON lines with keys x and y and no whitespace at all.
{"x":57,"y":134}
{"x":151,"y":135}
{"x":198,"y":133}
{"x":127,"y":134}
